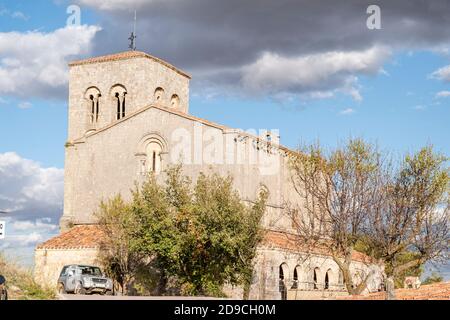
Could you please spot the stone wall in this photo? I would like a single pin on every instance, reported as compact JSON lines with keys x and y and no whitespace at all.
{"x":49,"y":263}
{"x":266,"y":281}
{"x":108,"y":160}
{"x":140,"y":76}
{"x":97,"y":163}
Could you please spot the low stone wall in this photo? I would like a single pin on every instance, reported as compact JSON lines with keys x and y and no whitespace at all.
{"x":49,"y":263}
{"x":435,"y":291}
{"x":314,"y":294}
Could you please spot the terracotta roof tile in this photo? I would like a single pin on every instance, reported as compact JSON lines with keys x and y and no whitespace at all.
{"x":78,"y":237}
{"x":126,"y":55}
{"x":292,"y":242}
{"x":435,"y":291}
{"x":89,"y":236}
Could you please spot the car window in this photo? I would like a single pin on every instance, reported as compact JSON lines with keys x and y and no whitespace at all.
{"x":93,"y":271}
{"x":63,"y":271}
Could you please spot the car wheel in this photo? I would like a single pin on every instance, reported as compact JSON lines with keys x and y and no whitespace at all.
{"x":61,"y":289}
{"x":79,"y":289}
{"x":109,"y":293}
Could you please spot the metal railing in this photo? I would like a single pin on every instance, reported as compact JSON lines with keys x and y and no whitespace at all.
{"x":311,"y":286}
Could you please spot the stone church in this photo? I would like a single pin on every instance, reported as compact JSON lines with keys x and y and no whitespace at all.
{"x":128,"y":117}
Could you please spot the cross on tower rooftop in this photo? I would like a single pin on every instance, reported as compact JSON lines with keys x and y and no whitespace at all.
{"x":133,"y":36}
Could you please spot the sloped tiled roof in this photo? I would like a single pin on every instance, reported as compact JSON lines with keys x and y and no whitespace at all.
{"x":435,"y":291}
{"x":126,"y":55}
{"x":90,"y":236}
{"x":78,"y":237}
{"x":292,"y":242}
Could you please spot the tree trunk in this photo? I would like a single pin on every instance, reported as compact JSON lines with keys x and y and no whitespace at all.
{"x":246,"y":293}
{"x":162,"y":284}
{"x":344,"y":266}
{"x":390,"y":288}
{"x":126,"y":285}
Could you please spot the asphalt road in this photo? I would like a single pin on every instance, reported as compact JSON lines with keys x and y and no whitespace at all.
{"x":100,"y":297}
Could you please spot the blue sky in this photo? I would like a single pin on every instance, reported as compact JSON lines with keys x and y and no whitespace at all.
{"x":397,"y":105}
{"x":399,"y":110}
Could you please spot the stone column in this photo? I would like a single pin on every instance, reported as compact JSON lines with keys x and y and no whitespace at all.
{"x":390,"y":289}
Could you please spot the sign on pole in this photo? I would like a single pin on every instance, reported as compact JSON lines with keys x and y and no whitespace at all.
{"x":2,"y":229}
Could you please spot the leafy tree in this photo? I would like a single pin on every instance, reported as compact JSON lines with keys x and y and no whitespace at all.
{"x":117,"y":254}
{"x":227,"y":233}
{"x":155,"y":234}
{"x":412,"y":227}
{"x":336,"y":191}
{"x":200,"y":235}
{"x":355,"y":197}
{"x":433,"y":278}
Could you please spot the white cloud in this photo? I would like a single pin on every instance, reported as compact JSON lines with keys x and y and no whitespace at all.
{"x":24,"y":105}
{"x":34,"y":63}
{"x":347,"y":111}
{"x":19,"y":15}
{"x":420,"y":107}
{"x":443,"y":94}
{"x":322,"y":72}
{"x":321,"y":95}
{"x":442,"y":74}
{"x":116,"y":4}
{"x":43,"y":225}
{"x":13,"y":14}
{"x":32,"y":196}
{"x":22,"y":236}
{"x":29,"y":190}
{"x":24,"y":240}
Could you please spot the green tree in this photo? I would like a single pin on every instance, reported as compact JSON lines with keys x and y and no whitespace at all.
{"x":201,"y":235}
{"x":356,"y":197}
{"x":226,"y":232}
{"x":433,"y":278}
{"x":336,"y":192}
{"x":117,"y":255}
{"x":412,"y":227}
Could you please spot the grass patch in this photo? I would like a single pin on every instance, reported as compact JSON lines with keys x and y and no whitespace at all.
{"x":20,"y":282}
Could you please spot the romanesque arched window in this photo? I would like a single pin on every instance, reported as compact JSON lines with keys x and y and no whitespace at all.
{"x":316,"y":272}
{"x":153,"y":157}
{"x":159,"y":95}
{"x":119,"y":93}
{"x":283,"y":279}
{"x":150,"y":153}
{"x":92,"y":97}
{"x":327,"y":279}
{"x":341,"y":278}
{"x":175,"y":101}
{"x":295,"y":278}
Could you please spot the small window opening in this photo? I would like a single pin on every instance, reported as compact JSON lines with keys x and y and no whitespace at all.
{"x":118,"y":105}
{"x":295,"y":282}
{"x":154,"y":161}
{"x":315,"y":280}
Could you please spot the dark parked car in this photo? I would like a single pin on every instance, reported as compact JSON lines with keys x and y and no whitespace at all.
{"x":82,"y":279}
{"x":3,"y":292}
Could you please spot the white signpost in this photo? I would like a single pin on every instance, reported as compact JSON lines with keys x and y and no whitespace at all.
{"x":2,"y":229}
